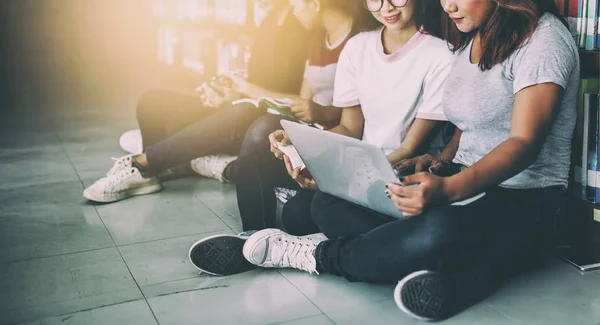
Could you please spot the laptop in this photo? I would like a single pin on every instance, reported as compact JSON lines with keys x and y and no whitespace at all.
{"x":348,"y":168}
{"x":345,"y":167}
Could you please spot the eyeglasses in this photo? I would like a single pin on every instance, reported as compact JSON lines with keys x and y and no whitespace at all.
{"x":376,"y":5}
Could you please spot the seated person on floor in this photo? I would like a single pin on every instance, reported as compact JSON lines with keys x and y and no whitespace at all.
{"x":390,"y":80}
{"x":275,"y":65}
{"x":512,"y":94}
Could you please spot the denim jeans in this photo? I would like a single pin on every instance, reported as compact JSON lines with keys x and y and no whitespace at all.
{"x":221,"y":132}
{"x":505,"y":231}
{"x":162,"y":113}
{"x":257,"y":173}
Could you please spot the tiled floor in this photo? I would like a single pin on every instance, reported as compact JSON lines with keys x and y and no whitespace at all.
{"x":66,"y":261}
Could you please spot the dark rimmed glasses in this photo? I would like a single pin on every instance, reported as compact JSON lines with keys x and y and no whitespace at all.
{"x":376,"y":5}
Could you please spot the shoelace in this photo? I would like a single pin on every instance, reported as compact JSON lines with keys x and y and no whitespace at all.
{"x":295,"y":254}
{"x":120,"y":163}
{"x":114,"y":178}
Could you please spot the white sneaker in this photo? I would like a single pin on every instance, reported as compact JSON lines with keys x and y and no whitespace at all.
{"x":122,"y":181}
{"x":273,"y":248}
{"x":131,"y":141}
{"x":212,"y":166}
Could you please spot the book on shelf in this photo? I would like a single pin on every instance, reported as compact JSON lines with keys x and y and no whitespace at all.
{"x":582,"y":22}
{"x":580,"y":140}
{"x":591,"y":25}
{"x":590,"y":106}
{"x":596,"y":191}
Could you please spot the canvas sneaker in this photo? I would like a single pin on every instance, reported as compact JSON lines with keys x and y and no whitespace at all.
{"x":273,"y":248}
{"x":220,"y":255}
{"x":430,"y":296}
{"x":131,"y":141}
{"x":212,"y":166}
{"x":122,"y":181}
{"x":284,"y":194}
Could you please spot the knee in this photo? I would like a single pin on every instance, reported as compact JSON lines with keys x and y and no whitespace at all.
{"x":257,"y":136}
{"x":147,"y":104}
{"x":262,"y":127}
{"x":320,"y":209}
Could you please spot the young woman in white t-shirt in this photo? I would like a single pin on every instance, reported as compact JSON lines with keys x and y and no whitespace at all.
{"x":389,"y":84}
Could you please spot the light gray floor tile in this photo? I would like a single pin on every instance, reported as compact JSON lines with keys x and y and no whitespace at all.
{"x":135,"y":312}
{"x":171,"y":213}
{"x":313,"y":320}
{"x":27,"y":167}
{"x":386,"y":312}
{"x":163,"y":260}
{"x":48,"y":220}
{"x":329,"y":292}
{"x":556,"y":294}
{"x":251,"y":298}
{"x":380,"y":313}
{"x":68,"y":283}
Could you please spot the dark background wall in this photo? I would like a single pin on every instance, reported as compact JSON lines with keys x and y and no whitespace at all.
{"x":51,"y":47}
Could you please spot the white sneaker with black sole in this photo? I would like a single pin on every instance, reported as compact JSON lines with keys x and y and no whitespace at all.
{"x":423,"y":295}
{"x":122,"y":181}
{"x":212,"y":166}
{"x":220,"y":255}
{"x":131,"y":141}
{"x":273,"y":248}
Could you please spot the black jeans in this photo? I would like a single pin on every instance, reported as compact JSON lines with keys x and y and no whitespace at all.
{"x":505,"y":231}
{"x":196,"y":132}
{"x":256,"y":174}
{"x":162,"y":113}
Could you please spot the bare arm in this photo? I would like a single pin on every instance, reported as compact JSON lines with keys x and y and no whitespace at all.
{"x":451,"y":148}
{"x":417,"y":135}
{"x":431,"y":163}
{"x":351,"y":122}
{"x":534,"y":111}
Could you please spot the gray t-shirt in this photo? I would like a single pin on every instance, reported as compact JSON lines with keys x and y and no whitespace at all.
{"x":481,"y":103}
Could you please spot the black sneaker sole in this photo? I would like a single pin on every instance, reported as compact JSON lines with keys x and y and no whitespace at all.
{"x":220,"y":255}
{"x":423,"y":295}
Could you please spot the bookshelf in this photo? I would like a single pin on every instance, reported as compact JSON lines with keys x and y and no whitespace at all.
{"x":582,"y":217}
{"x":205,"y":37}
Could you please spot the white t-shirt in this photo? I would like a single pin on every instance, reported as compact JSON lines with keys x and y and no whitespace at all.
{"x":321,"y":64}
{"x":392,"y":89}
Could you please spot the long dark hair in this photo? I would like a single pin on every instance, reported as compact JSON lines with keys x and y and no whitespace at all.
{"x":510,"y":24}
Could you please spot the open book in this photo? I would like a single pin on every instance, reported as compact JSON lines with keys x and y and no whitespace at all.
{"x":274,"y":106}
{"x":281,"y":106}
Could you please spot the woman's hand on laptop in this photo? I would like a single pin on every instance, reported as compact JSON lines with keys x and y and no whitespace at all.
{"x":301,"y":176}
{"x":427,"y":190}
{"x":423,"y":163}
{"x":277,"y":138}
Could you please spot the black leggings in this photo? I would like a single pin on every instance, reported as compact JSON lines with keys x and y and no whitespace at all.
{"x":176,"y":128}
{"x":256,"y":173}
